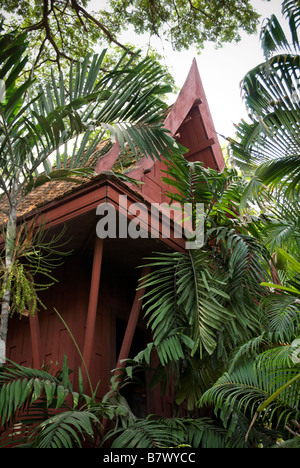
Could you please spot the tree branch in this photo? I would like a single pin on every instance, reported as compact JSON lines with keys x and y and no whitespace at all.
{"x":56,"y":8}
{"x":77,"y":8}
{"x":200,"y":10}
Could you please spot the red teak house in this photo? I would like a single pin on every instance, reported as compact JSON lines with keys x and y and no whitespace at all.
{"x":96,"y":292}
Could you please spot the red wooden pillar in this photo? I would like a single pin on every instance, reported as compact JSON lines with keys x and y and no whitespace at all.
{"x":130,"y":329}
{"x":93,"y":303}
{"x":35,"y":340}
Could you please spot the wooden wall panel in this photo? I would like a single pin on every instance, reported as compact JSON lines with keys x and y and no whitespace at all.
{"x":18,"y":341}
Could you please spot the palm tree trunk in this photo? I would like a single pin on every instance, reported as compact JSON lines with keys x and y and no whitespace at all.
{"x":9,"y":255}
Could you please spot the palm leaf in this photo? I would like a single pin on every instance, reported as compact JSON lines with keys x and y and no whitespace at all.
{"x":251,"y":383}
{"x":282,"y":316}
{"x":184,"y":283}
{"x":65,"y":430}
{"x":145,"y":434}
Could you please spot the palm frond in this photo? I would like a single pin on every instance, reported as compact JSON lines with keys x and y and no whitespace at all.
{"x":21,"y":384}
{"x":41,"y":410}
{"x":288,"y":444}
{"x":282,"y":317}
{"x":65,"y":430}
{"x":291,"y":10}
{"x":280,"y":223}
{"x":253,"y":382}
{"x":145,"y":434}
{"x":184,"y":283}
{"x":273,"y":37}
{"x":268,"y":146}
{"x":38,"y":128}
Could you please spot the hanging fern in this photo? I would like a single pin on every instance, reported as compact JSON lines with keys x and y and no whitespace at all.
{"x":41,"y":409}
{"x":156,"y":432}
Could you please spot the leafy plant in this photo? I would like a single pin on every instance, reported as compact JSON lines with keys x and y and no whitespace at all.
{"x":61,"y":32}
{"x":157,"y":432}
{"x":41,"y":409}
{"x":36,"y":256}
{"x":39,"y":125}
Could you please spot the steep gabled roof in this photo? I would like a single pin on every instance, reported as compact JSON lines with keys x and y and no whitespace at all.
{"x":191,"y":110}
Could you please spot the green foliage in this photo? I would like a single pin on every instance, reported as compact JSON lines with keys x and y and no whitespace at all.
{"x":20,"y":283}
{"x":88,"y":108}
{"x":185,"y":305}
{"x":65,"y":430}
{"x":202,"y":304}
{"x":267,"y":148}
{"x":155,"y":432}
{"x":262,"y":381}
{"x":216,"y":313}
{"x":36,"y":256}
{"x":252,"y":382}
{"x":39,"y":409}
{"x":111,"y":103}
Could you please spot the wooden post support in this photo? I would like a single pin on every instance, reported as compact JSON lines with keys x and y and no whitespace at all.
{"x":128,"y":337}
{"x":93,"y":303}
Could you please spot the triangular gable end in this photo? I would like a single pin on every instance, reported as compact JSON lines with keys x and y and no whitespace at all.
{"x":98,"y":282}
{"x":189,"y":122}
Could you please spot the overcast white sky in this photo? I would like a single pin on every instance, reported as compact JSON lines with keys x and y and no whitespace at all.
{"x":221,"y":70}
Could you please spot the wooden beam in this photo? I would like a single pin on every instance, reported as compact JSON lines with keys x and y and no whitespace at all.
{"x":129,"y":333}
{"x":35,"y":340}
{"x":93,"y":303}
{"x":200,"y":147}
{"x":106,"y":161}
